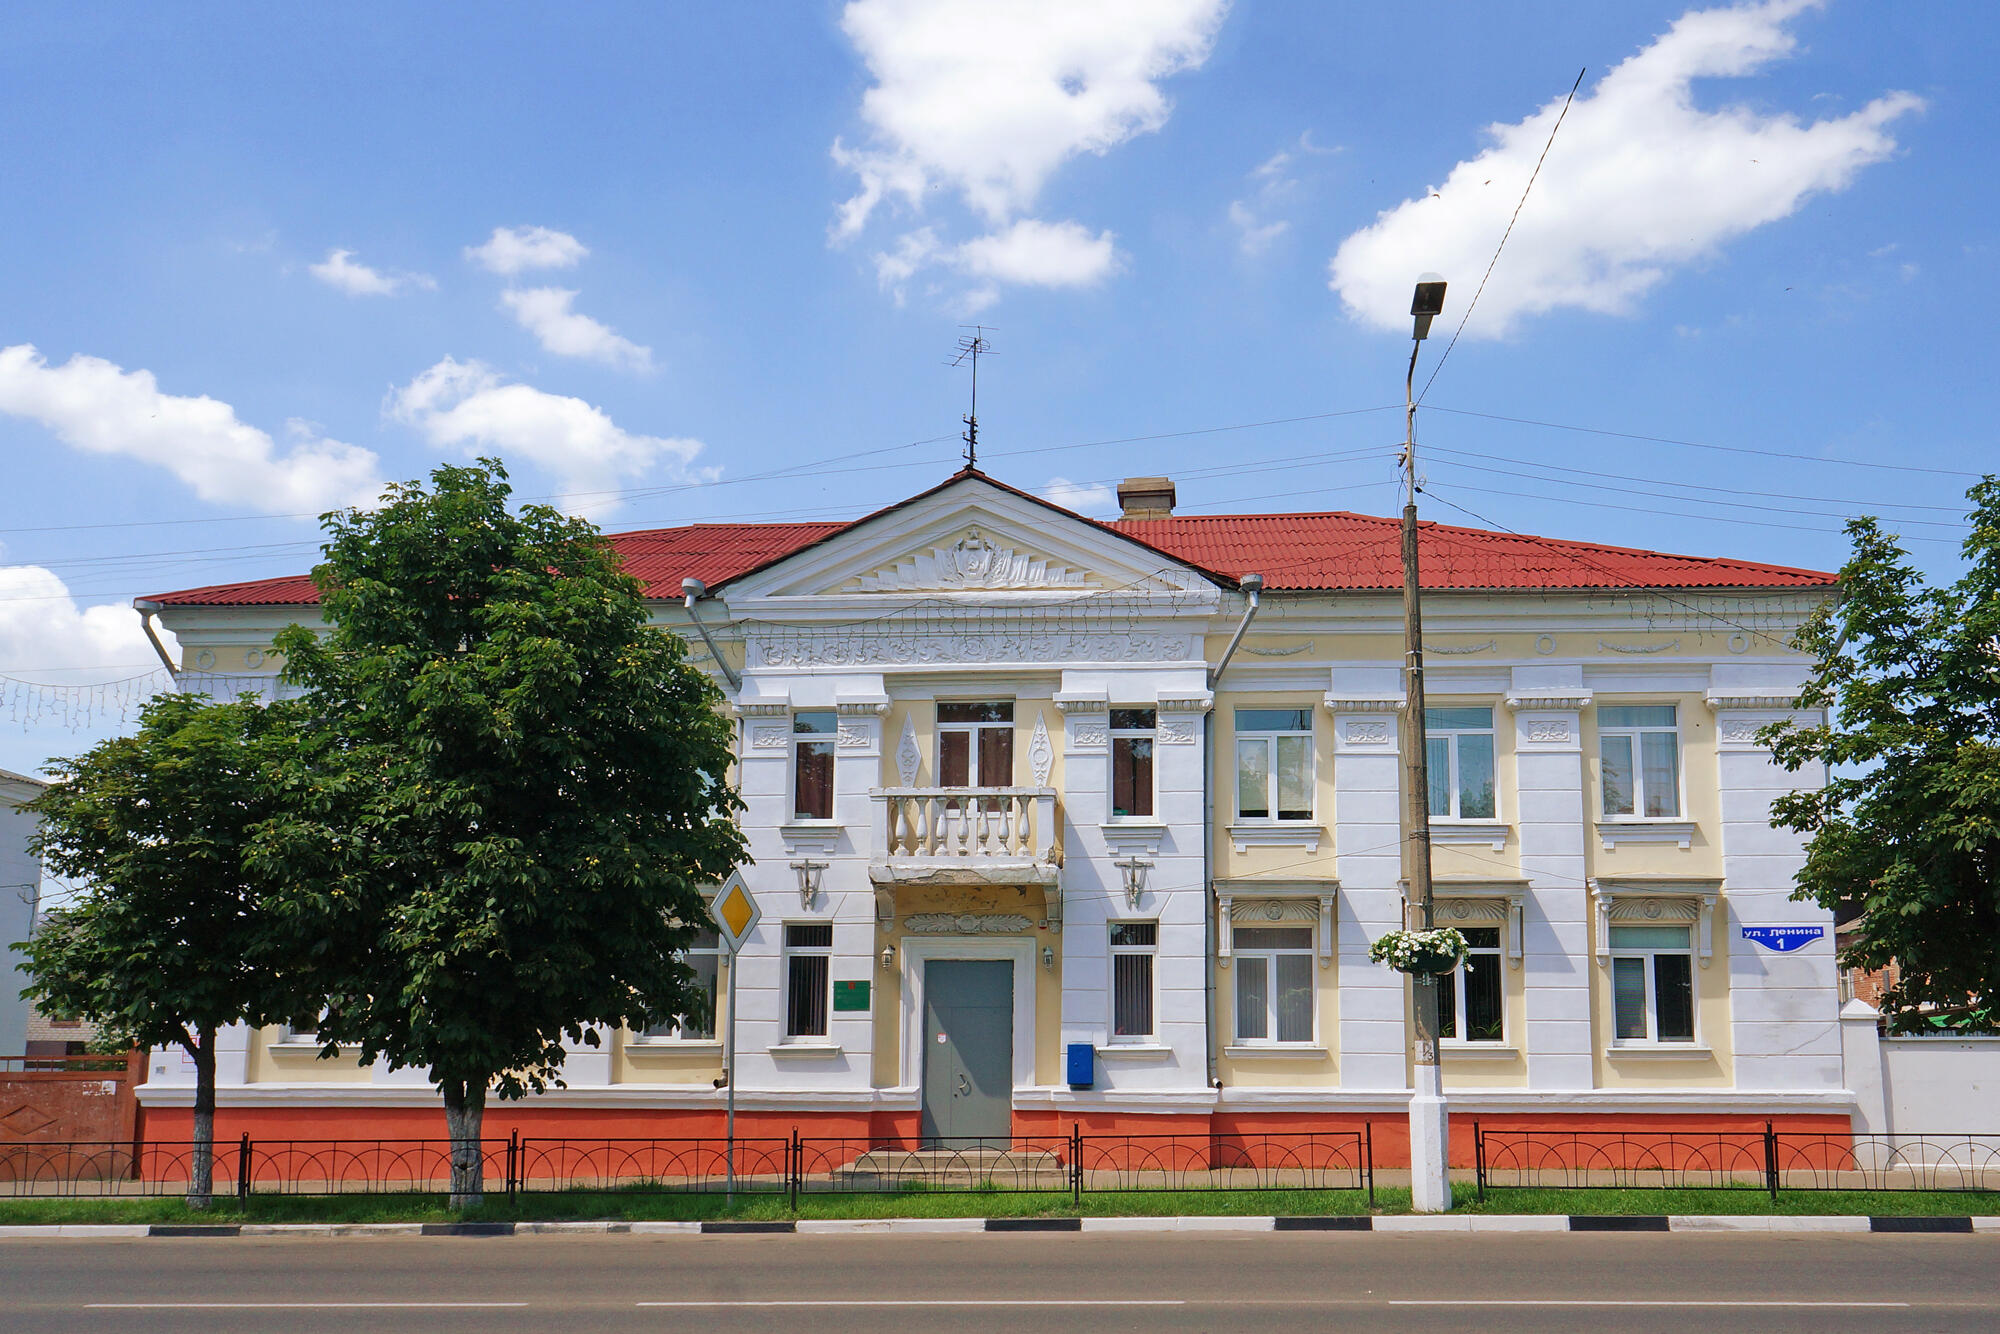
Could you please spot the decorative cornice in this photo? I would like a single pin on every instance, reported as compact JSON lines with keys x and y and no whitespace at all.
{"x":1188,"y":704}
{"x":763,"y":708}
{"x":1365,"y":704}
{"x":863,"y":708}
{"x":1566,"y":703}
{"x":1083,"y":703}
{"x":1719,"y":702}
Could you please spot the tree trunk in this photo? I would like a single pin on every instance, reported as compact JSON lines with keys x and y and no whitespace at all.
{"x":201,"y":1156}
{"x":464,"y":1115}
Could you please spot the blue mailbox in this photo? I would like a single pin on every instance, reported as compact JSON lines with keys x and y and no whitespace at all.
{"x":1082,"y":1065}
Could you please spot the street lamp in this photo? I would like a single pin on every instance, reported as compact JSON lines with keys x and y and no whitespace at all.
{"x":1430,"y":1139}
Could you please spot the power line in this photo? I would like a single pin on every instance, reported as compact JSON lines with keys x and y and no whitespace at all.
{"x":1504,"y":235}
{"x":1697,"y":444}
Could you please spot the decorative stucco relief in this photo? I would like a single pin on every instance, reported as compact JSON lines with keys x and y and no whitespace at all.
{"x":1041,"y":752}
{"x":973,"y":562}
{"x":859,"y":650}
{"x":966,"y":924}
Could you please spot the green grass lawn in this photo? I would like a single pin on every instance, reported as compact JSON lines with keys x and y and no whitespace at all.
{"x":637,"y":1205}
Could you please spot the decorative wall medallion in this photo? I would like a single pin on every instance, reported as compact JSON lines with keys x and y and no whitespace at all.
{"x":1739,"y":642}
{"x":1548,"y":729}
{"x":1458,"y":910}
{"x":1670,"y":645}
{"x":966,"y":924}
{"x":1041,"y":753}
{"x":205,"y":659}
{"x":908,"y":756}
{"x":1368,"y":734}
{"x":1273,"y":911}
{"x":1174,"y":734}
{"x":1650,"y":909}
{"x":1291,"y":652}
{"x":253,"y":658}
{"x":769,"y":738}
{"x":924,"y":650}
{"x":1490,"y":646}
{"x":1545,"y":644}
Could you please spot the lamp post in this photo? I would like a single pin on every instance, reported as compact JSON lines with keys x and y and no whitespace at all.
{"x":1430,"y":1179}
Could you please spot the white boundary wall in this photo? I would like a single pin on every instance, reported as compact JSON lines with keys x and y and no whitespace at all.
{"x":1920,"y":1086}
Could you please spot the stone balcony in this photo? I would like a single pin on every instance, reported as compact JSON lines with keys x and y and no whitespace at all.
{"x":966,"y":836}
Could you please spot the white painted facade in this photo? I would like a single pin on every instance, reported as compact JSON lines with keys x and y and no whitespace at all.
{"x":20,"y":888}
{"x":976,"y":593}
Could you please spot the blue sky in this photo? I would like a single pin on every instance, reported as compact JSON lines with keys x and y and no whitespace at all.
{"x":262,"y":259}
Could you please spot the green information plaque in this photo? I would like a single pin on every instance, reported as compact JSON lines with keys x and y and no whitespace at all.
{"x":850,"y":995}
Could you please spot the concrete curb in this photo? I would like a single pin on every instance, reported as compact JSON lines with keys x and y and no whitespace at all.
{"x":1805,"y":1224}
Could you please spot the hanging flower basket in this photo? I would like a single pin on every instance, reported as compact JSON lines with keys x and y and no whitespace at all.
{"x":1420,"y":953}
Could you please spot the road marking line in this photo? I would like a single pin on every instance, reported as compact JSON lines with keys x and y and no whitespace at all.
{"x":1621,"y":1301}
{"x":939,"y":1301}
{"x":295,"y":1306}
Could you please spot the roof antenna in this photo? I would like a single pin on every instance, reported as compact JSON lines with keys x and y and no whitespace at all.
{"x":972,"y":348}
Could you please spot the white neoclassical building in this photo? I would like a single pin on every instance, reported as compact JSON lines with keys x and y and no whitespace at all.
{"x":1064,"y":821}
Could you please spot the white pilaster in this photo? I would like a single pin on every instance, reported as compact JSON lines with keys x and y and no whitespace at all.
{"x":1368,"y":862}
{"x":1553,"y":810}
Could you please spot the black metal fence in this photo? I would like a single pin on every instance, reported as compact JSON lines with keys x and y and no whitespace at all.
{"x":1074,"y":1164}
{"x":1770,"y":1160}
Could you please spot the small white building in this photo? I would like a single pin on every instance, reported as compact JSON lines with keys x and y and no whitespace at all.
{"x":1038,"y":840}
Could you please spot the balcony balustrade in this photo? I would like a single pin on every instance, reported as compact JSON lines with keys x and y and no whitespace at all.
{"x":966,"y":835}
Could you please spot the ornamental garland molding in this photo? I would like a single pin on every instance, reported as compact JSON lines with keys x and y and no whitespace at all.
{"x":1371,"y":704}
{"x":1558,"y":703}
{"x":1670,"y":645}
{"x":1752,"y":701}
{"x":1490,"y":646}
{"x":966,"y":924}
{"x":864,"y":650}
{"x":1291,"y":652}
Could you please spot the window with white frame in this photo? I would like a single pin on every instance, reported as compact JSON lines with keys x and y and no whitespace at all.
{"x":975,"y":745}
{"x":808,"y":978}
{"x":1458,"y":752}
{"x":1134,"y":947}
{"x":1470,"y":1003}
{"x":1274,"y":983}
{"x":1132,"y":763}
{"x":1274,"y":764}
{"x":703,"y":955}
{"x":813,"y":734}
{"x":1652,"y":984}
{"x":1639,"y":746}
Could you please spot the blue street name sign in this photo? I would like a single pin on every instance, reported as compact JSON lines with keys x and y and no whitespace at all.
{"x":1783,"y":939}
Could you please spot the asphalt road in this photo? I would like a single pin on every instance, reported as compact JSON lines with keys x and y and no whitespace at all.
{"x":1294,"y":1282}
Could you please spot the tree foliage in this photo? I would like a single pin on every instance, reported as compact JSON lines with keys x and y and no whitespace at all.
{"x":1907,"y":828}
{"x":177,"y":934}
{"x":511,"y":789}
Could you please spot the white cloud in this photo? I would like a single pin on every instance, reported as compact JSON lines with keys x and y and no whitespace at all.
{"x":342,"y":271}
{"x":545,"y":313}
{"x":45,"y":633}
{"x":511,"y":250}
{"x":101,"y":408}
{"x":1256,"y":229}
{"x":467,"y":404}
{"x":987,"y":101}
{"x":1041,"y":254}
{"x":1639,"y":180}
{"x":1090,"y":498}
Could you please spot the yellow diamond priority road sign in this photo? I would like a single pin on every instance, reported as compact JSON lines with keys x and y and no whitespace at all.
{"x":734,"y":911}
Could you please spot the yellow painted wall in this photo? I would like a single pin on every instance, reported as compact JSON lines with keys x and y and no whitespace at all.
{"x":1711,"y":1029}
{"x":1702,"y":802}
{"x":1285,"y":862}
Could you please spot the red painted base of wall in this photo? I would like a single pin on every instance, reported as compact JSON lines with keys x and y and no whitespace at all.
{"x":1387,"y":1133}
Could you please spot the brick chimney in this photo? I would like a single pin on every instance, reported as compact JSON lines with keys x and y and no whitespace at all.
{"x":1146,"y":498}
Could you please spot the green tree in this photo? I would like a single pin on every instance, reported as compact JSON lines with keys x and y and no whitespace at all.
{"x":176,"y":935}
{"x":510,"y":793}
{"x":1907,"y":828}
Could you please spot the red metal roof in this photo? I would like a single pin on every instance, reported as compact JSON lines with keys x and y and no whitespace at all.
{"x":1298,"y":552}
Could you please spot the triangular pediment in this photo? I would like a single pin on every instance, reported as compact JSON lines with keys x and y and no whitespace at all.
{"x":974,"y":539}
